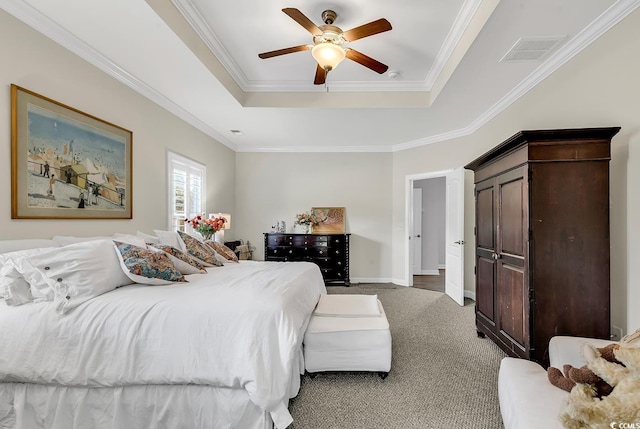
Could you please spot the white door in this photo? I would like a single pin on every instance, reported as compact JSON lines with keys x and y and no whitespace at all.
{"x":454,"y":274}
{"x":416,"y":239}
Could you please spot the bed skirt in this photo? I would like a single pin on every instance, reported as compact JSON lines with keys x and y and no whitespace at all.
{"x":31,"y":406}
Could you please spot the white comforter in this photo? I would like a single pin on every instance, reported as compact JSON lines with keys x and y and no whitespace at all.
{"x":238,"y":326}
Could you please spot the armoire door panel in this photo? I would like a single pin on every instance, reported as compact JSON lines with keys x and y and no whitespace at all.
{"x":512,"y":298}
{"x":560,"y":199}
{"x":512,"y":213}
{"x":485,"y":236}
{"x":485,"y":296}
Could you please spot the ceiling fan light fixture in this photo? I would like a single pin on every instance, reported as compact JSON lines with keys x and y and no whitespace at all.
{"x":328,"y":55}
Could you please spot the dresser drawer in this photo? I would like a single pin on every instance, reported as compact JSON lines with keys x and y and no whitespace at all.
{"x":317,"y":251}
{"x":337,"y":240}
{"x":329,"y":263}
{"x":284,"y":251}
{"x":278,"y":239}
{"x":309,"y":240}
{"x":336,"y":252}
{"x":331,"y":275}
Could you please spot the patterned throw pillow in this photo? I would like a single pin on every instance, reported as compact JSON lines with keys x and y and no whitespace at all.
{"x":223,"y":250}
{"x":205,"y":254}
{"x":147,"y":266}
{"x":178,"y":256}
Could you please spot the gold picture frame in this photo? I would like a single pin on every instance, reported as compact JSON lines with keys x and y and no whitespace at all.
{"x":67,"y":164}
{"x":331,"y":220}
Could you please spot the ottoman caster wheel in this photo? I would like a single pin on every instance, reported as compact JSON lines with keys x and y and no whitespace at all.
{"x":480,"y":334}
{"x":383,"y":375}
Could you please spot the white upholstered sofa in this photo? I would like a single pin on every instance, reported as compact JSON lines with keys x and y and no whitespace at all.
{"x":527,"y":399}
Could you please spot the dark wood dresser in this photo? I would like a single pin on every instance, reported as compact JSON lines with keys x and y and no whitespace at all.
{"x":329,"y":251}
{"x":542,"y":239}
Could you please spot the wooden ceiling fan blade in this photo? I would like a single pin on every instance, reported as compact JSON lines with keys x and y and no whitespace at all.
{"x":321,"y":76}
{"x":366,"y":61}
{"x":284,"y":51}
{"x":301,"y":19}
{"x":374,"y":27}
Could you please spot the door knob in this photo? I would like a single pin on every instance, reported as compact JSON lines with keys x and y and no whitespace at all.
{"x":459,"y":242}
{"x":418,"y":236}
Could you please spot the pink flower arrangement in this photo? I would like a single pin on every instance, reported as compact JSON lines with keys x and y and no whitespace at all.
{"x":206,"y":227}
{"x":306,"y":218}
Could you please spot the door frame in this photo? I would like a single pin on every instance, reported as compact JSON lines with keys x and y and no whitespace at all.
{"x":416,"y":193}
{"x":408,"y":248}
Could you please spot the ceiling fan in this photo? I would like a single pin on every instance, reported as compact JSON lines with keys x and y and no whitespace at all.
{"x":328,"y":39}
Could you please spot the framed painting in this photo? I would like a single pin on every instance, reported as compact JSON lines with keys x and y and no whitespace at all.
{"x":330,"y":220}
{"x":67,"y":164}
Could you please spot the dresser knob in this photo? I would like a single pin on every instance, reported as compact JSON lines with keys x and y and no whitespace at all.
{"x":337,"y":252}
{"x":339,"y":263}
{"x":290,"y":251}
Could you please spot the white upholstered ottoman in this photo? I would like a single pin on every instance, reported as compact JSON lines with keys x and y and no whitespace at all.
{"x":348,"y":333}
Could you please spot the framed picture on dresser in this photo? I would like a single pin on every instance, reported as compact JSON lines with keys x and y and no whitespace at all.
{"x":331,"y":220}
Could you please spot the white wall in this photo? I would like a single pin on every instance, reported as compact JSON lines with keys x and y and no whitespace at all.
{"x":433,"y":222}
{"x":34,"y":62}
{"x":633,"y":235}
{"x":273,"y":186}
{"x":598,"y":87}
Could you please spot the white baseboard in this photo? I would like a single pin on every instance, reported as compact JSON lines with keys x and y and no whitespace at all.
{"x":356,"y":280}
{"x":470,"y":294}
{"x":429,"y":273}
{"x":442,"y":267}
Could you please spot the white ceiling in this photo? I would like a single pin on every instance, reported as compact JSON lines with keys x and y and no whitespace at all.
{"x":199,"y":60}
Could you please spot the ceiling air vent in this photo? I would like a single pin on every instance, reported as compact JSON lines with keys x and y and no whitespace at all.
{"x":533,"y":48}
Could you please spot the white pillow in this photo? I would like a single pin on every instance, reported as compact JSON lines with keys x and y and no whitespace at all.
{"x":340,"y":305}
{"x":65,"y":240}
{"x":170,"y":238}
{"x":130,"y":239}
{"x":38,"y":284}
{"x":7,"y":246}
{"x":80,"y":271}
{"x":148,"y":238}
{"x":13,"y":287}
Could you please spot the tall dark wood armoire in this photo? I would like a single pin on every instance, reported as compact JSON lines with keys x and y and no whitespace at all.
{"x":542,"y":239}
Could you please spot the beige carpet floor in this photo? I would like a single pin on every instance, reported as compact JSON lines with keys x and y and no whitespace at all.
{"x":442,"y":376}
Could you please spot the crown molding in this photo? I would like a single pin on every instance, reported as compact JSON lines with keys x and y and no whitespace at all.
{"x":315,"y":149}
{"x":194,"y":17}
{"x":465,"y":15}
{"x":449,"y":135}
{"x":41,"y":23}
{"x":338,"y":86}
{"x":608,"y":19}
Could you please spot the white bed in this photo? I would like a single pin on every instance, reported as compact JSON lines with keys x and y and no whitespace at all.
{"x":221,"y":351}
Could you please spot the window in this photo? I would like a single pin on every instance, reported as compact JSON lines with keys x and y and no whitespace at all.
{"x":187,"y":180}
